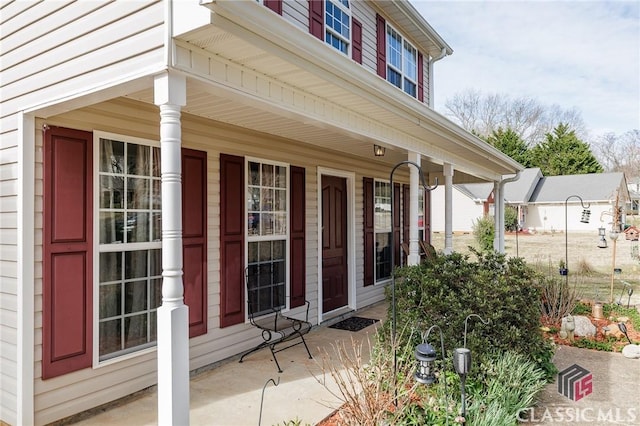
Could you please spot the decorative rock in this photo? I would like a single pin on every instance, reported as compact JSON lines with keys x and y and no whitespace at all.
{"x":583,"y":326}
{"x":623,"y":319}
{"x":631,"y":351}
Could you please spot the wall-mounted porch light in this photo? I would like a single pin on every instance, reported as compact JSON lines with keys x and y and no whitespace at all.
{"x":378,"y":150}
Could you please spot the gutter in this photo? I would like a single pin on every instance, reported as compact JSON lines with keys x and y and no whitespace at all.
{"x":432,"y":61}
{"x":499,"y":211}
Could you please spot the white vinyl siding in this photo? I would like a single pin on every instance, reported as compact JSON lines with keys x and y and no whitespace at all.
{"x":96,"y":38}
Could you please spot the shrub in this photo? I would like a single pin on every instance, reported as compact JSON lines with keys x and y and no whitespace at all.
{"x":483,"y":232}
{"x":504,"y":291}
{"x":510,"y":218}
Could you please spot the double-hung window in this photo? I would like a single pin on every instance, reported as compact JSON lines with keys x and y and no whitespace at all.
{"x":129,"y":272}
{"x":382,"y":225}
{"x":338,"y":24}
{"x":402,"y":62}
{"x":267,"y":219}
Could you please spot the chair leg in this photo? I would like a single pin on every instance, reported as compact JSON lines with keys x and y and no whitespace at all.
{"x":274,"y":358}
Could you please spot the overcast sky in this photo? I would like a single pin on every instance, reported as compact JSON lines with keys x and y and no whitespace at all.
{"x":582,"y":54}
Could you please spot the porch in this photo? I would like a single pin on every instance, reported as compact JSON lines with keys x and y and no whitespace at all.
{"x":230,"y":393}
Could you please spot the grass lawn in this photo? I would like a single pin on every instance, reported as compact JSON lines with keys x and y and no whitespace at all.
{"x":590,"y":267}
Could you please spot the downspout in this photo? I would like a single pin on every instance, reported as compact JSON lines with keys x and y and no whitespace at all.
{"x":443,"y":53}
{"x":499,"y":211}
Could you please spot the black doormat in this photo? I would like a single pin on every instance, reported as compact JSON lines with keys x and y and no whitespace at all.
{"x":354,"y":323}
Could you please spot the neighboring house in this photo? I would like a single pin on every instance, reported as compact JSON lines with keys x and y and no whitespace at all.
{"x":556,"y":197}
{"x":151,"y":146}
{"x":472,"y":201}
{"x":633,"y":204}
{"x":540,"y":201}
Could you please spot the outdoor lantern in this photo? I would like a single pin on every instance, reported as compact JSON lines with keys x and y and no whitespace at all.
{"x":602,"y":243}
{"x":378,"y":150}
{"x":586,"y":214}
{"x":462,"y":361}
{"x":425,"y":357}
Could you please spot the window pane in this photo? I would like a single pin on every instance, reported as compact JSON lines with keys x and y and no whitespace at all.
{"x":267,"y":224}
{"x":281,"y":177}
{"x":267,"y":175}
{"x":135,"y":296}
{"x":111,"y":156}
{"x":254,"y":173}
{"x":110,"y":300}
{"x":383,"y":256}
{"x":156,"y":234}
{"x":135,"y":264}
{"x":253,"y":224}
{"x":138,"y":191}
{"x":111,"y":192}
{"x":279,"y":223}
{"x":110,"y":266}
{"x":135,"y":330}
{"x":280,"y":200}
{"x":253,"y":203}
{"x":111,"y":227}
{"x":137,"y":227}
{"x":138,"y":159}
{"x":156,"y":293}
{"x":110,"y":336}
{"x":156,"y":165}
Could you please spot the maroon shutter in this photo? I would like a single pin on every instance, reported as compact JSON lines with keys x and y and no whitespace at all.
{"x":275,"y":5}
{"x":420,"y":77}
{"x":427,"y":216}
{"x":316,"y":18}
{"x":369,"y":232}
{"x":396,"y":224}
{"x":381,"y":46}
{"x":297,"y":237}
{"x":356,"y":40}
{"x":194,"y":238}
{"x":67,"y":314}
{"x":232,"y":223}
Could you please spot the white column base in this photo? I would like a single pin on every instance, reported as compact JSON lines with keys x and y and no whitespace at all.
{"x":173,"y":365}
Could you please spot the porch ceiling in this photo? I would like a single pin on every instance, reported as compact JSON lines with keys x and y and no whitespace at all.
{"x":245,"y":69}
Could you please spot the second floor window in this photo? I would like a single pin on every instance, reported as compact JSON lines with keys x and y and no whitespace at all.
{"x":402,"y":62}
{"x":338,"y":24}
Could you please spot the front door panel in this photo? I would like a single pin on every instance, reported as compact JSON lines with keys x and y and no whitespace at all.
{"x":334,"y":243}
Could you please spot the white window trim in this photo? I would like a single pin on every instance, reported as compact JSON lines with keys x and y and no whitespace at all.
{"x":284,"y":237}
{"x":347,"y":11}
{"x":402,"y":73}
{"x":97,"y":135}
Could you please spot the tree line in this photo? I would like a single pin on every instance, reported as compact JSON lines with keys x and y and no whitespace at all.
{"x":542,"y":136}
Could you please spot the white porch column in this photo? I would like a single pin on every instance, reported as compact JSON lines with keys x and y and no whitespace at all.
{"x":447,"y":170}
{"x":414,"y":190}
{"x":173,"y":315}
{"x":498,"y":234}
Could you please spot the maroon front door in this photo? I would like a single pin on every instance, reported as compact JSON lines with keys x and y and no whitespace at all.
{"x":334,"y":243}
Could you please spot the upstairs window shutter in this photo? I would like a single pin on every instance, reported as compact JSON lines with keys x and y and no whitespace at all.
{"x":316,"y":18}
{"x":232,"y":244}
{"x":396,"y":224}
{"x":420,"y":77}
{"x":275,"y":5}
{"x":194,"y":238}
{"x":381,"y":46}
{"x":369,"y":232}
{"x":67,"y":306}
{"x":356,"y":40}
{"x":297,"y":215}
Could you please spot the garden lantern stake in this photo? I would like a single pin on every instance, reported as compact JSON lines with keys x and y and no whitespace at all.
{"x":462,"y":362}
{"x":392,"y":259}
{"x":586,"y":214}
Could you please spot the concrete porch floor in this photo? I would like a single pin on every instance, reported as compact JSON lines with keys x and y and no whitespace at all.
{"x":230,"y":394}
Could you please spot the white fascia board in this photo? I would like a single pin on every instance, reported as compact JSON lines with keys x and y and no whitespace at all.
{"x":252,"y":21}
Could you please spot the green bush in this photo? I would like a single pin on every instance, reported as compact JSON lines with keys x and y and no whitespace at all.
{"x":483,"y":232}
{"x":506,"y":292}
{"x":510,"y":218}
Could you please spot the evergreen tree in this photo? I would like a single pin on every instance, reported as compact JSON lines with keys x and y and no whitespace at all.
{"x":510,"y":143}
{"x":562,"y":153}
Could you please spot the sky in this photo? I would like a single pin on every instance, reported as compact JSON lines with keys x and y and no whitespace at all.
{"x":581,"y":54}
